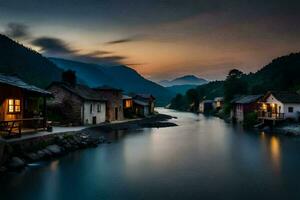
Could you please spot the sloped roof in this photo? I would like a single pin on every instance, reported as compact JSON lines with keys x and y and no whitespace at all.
{"x":207,"y":101}
{"x":82,"y":91}
{"x":17,"y":82}
{"x":247,"y":99}
{"x":285,"y":96}
{"x":142,"y":103}
{"x":126,"y":97}
{"x":105,"y":87}
{"x":219,"y":99}
{"x":144,"y":96}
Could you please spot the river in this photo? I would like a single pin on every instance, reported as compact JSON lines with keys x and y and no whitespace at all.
{"x":202,"y":158}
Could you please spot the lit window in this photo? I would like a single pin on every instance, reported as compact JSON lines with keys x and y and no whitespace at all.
{"x":14,"y":105}
{"x":128,"y":103}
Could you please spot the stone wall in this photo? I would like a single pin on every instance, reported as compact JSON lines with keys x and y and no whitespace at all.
{"x":70,"y":104}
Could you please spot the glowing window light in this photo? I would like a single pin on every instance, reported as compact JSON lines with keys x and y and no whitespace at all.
{"x":14,"y":105}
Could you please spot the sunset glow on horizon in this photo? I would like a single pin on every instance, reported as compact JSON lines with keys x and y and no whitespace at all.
{"x":159,"y":39}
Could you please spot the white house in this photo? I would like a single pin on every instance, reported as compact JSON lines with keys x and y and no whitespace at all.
{"x":206,"y":106}
{"x":218,"y":103}
{"x":80,"y":105}
{"x":280,"y":106}
{"x":94,"y":112}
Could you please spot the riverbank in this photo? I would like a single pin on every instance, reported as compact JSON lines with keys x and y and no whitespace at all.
{"x":17,"y":154}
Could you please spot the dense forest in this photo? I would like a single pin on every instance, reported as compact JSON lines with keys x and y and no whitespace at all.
{"x":282,"y":73}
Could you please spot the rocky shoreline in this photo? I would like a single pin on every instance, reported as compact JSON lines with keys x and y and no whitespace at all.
{"x":15,"y":156}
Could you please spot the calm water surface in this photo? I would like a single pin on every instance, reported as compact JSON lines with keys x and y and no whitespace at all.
{"x":202,"y":158}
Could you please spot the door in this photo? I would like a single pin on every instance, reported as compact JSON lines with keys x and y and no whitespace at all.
{"x":94,"y":120}
{"x":116,"y":113}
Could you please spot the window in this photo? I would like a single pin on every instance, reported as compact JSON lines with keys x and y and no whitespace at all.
{"x":91,"y":108}
{"x":291,"y":109}
{"x":14,"y":105}
{"x":128,"y":103}
{"x":99,"y":108}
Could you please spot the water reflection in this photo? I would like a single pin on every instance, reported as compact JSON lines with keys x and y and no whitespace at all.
{"x":54,"y":165}
{"x":272,"y":143}
{"x":202,"y":158}
{"x":275,"y":152}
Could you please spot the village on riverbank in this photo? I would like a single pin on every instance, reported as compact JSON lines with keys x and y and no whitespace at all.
{"x":37,"y":124}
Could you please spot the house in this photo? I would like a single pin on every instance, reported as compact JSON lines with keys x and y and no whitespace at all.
{"x":243,"y":105}
{"x":78,"y":104}
{"x":205,"y":106}
{"x":114,"y":105}
{"x":127,"y":106}
{"x":143,"y":104}
{"x":22,"y":106}
{"x":218,"y":103}
{"x":280,"y":105}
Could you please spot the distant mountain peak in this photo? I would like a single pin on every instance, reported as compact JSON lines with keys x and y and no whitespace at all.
{"x":184,"y":80}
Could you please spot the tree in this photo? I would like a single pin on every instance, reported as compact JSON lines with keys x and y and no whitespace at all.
{"x":234,"y":85}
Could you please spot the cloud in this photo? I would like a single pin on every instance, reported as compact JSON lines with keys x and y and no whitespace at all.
{"x":126,"y":40}
{"x":104,"y":60}
{"x":17,"y":30}
{"x":51,"y":45}
{"x":57,"y":47}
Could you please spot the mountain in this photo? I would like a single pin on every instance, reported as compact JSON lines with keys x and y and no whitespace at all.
{"x":184,"y":80}
{"x":28,"y":64}
{"x":180,"y":89}
{"x":182,"y":84}
{"x":281,"y":74}
{"x":121,"y":76}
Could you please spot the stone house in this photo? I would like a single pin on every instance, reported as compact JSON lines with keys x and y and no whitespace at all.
{"x":114,"y":104}
{"x":143,"y":104}
{"x":79,"y":104}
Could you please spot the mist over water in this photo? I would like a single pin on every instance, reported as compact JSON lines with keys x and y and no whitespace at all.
{"x":203,"y":158}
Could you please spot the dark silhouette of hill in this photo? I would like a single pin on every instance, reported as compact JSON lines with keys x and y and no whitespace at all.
{"x":282,"y":74}
{"x":28,"y":64}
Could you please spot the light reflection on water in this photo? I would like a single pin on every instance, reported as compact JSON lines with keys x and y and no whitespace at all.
{"x":201,"y":158}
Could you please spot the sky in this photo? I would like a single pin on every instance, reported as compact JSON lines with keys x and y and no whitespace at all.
{"x":160,"y":39}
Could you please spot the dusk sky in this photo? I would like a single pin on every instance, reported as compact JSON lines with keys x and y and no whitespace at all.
{"x":160,"y":39}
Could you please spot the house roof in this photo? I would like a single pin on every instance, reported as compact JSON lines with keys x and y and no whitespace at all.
{"x":142,"y":103}
{"x":207,"y":101}
{"x":126,"y":97}
{"x":245,"y":99}
{"x":105,"y":87}
{"x":14,"y":80}
{"x":219,"y":99}
{"x":144,"y":96}
{"x":82,"y":91}
{"x":284,"y":96}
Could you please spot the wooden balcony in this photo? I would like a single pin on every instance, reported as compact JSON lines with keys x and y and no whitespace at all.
{"x":270,"y":115}
{"x":10,"y":128}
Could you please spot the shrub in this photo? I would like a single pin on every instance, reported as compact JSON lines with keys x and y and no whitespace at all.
{"x":250,"y":119}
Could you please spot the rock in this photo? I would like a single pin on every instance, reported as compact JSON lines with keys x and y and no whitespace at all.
{"x":290,"y":134}
{"x":32,"y":156}
{"x":47,"y":152}
{"x":41,"y":154}
{"x":16,"y":163}
{"x":266,"y":128}
{"x":55,"y":149}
